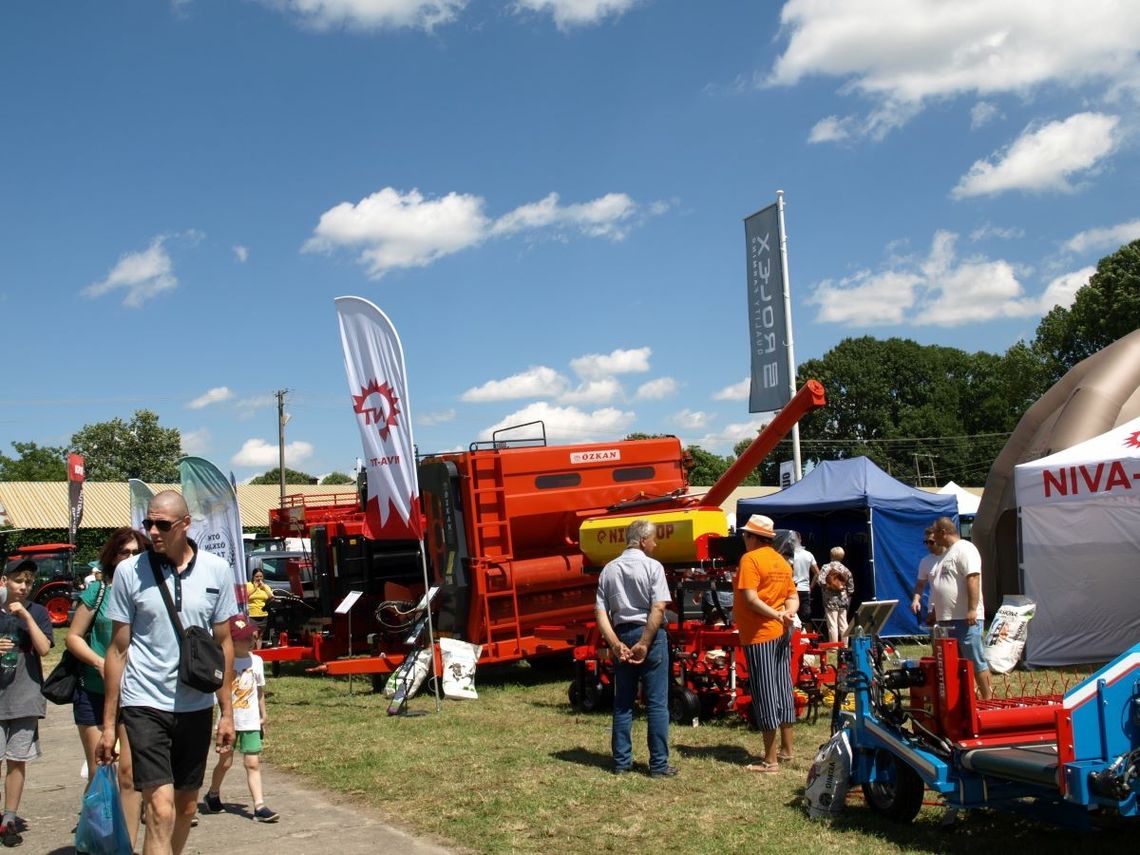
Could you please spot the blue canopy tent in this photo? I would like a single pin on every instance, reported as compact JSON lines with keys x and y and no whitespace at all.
{"x":877,"y":520}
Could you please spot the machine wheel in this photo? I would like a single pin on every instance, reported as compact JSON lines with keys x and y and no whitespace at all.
{"x":378,"y":682}
{"x":897,"y":794}
{"x":58,"y":605}
{"x":595,"y":698}
{"x":574,"y":694}
{"x":684,"y":705}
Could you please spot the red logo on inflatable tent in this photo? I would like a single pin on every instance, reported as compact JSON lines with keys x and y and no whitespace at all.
{"x":1133,"y":440}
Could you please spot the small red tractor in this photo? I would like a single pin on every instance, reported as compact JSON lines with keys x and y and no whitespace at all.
{"x":54,"y":587}
{"x":512,"y":530}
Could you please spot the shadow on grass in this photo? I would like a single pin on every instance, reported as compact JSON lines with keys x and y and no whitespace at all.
{"x":584,"y":757}
{"x":734,"y":755}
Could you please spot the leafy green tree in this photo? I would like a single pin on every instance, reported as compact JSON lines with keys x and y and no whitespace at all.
{"x":141,"y":448}
{"x":292,"y":476}
{"x":334,"y":478}
{"x":34,"y":463}
{"x":705,"y":467}
{"x":926,"y":414}
{"x":1103,"y":311}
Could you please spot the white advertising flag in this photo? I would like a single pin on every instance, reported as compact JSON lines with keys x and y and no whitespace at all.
{"x":141,"y":495}
{"x":377,"y":385}
{"x":215,"y":520}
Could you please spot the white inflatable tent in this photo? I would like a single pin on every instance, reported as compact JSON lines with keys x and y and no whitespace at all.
{"x":1079,"y":524}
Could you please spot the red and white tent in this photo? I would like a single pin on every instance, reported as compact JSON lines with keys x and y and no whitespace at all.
{"x":1079,"y":521}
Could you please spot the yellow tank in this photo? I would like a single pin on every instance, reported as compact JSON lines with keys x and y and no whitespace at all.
{"x":682,"y":535}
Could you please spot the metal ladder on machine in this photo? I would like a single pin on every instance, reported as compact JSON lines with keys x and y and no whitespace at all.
{"x":493,"y":536}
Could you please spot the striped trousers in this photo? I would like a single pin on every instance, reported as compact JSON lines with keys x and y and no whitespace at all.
{"x":770,"y":682}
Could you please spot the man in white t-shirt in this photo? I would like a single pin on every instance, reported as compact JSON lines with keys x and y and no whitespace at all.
{"x":804,"y":569}
{"x":925,"y":568}
{"x":956,"y":598}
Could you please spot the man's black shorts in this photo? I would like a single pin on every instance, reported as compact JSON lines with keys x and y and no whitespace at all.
{"x":168,"y":747}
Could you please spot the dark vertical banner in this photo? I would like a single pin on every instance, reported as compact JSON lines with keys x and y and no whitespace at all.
{"x":75,"y":476}
{"x":771,"y":382}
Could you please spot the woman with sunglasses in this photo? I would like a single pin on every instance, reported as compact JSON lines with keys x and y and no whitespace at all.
{"x":88,"y":638}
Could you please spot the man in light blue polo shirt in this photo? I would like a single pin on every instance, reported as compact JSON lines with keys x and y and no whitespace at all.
{"x":168,"y":724}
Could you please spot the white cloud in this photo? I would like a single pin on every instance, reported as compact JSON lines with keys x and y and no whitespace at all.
{"x":938,"y":290}
{"x":241,"y":253}
{"x":656,"y":390}
{"x":864,"y":297}
{"x":691,"y":419}
{"x":142,"y":275}
{"x":989,"y":231}
{"x":736,"y":392}
{"x":371,"y":14}
{"x":247,"y":408}
{"x":195,"y":442}
{"x":1063,"y":290}
{"x":1044,"y":158}
{"x":568,"y":424}
{"x":577,"y":13}
{"x":1111,"y":237}
{"x":436,"y":418}
{"x":831,"y":129}
{"x":598,"y":391}
{"x":258,"y":452}
{"x":394,"y":230}
{"x":536,"y":382}
{"x":615,"y":362}
{"x":213,"y":396}
{"x":722,"y":441}
{"x":983,"y":113}
{"x":900,"y":54}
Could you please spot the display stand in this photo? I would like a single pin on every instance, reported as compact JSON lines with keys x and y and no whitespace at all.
{"x":345,"y":608}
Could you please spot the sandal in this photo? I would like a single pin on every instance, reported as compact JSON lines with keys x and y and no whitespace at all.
{"x":763,"y":766}
{"x":785,"y":758}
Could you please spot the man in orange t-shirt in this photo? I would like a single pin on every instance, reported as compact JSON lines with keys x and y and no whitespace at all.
{"x":764,"y":604}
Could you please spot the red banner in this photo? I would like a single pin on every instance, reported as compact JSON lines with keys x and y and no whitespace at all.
{"x":75,"y":475}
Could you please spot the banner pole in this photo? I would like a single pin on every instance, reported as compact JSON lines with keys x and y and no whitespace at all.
{"x":438,"y":677}
{"x":788,"y":330}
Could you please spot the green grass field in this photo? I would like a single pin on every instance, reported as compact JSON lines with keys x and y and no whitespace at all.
{"x":519,"y":771}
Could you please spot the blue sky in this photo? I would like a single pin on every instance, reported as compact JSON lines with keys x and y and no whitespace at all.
{"x":545,"y":196}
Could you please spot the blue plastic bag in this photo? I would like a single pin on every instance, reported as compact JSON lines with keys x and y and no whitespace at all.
{"x":102,"y":828}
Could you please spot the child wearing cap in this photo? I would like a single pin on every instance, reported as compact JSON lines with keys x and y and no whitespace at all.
{"x":25,"y":636}
{"x":249,"y":721}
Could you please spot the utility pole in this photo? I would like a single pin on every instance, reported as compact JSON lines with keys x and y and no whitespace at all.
{"x":282,"y":418}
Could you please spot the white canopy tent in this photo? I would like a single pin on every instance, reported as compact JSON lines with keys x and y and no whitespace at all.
{"x":1079,"y":522}
{"x":967,"y":501}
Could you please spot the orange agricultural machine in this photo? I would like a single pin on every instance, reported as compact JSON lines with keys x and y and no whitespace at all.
{"x":511,"y":531}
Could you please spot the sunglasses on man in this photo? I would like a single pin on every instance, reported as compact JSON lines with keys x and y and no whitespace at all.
{"x":162,"y":525}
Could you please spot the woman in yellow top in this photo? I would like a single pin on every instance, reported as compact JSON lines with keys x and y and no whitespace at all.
{"x":258,"y":594}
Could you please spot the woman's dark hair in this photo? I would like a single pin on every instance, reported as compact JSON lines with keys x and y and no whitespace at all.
{"x":109,"y":554}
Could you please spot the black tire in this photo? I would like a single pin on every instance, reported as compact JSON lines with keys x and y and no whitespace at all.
{"x":379,"y":681}
{"x":592,"y":699}
{"x":574,"y":694}
{"x":684,"y":705}
{"x":897,"y":795}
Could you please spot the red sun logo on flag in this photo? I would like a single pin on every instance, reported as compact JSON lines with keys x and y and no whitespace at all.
{"x":378,"y":404}
{"x":1133,"y":440}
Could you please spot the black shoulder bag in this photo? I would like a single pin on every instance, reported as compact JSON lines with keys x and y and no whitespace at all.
{"x":63,"y":681}
{"x":201,"y":663}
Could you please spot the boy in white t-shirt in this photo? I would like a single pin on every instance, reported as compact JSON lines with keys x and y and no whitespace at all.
{"x":249,"y":721}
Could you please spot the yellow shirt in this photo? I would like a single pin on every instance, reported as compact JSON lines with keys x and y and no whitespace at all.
{"x":257,"y":597}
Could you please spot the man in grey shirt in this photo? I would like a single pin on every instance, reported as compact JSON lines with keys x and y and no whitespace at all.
{"x":630,"y":610}
{"x":168,"y":724}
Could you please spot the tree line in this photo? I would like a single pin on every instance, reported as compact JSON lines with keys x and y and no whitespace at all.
{"x":927,"y":414}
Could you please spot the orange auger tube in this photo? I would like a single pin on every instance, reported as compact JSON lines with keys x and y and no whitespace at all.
{"x":810,"y":397}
